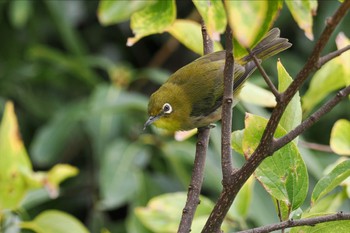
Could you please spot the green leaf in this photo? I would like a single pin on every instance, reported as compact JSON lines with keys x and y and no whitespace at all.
{"x":111,"y":12}
{"x":214,"y":16}
{"x":163,"y":213}
{"x":340,"y":137}
{"x":189,"y":34}
{"x":283,"y":174}
{"x":330,"y":203}
{"x":326,"y":227}
{"x":293,"y":114}
{"x":325,"y":80}
{"x":15,"y":166}
{"x":119,"y":174}
{"x":327,"y":183}
{"x":302,"y":12}
{"x":58,"y":174}
{"x":248,"y":30}
{"x":52,"y":139}
{"x":20,"y":11}
{"x":152,"y":19}
{"x":254,"y":94}
{"x":54,"y":221}
{"x":342,"y":41}
{"x":240,"y":207}
{"x":237,"y":141}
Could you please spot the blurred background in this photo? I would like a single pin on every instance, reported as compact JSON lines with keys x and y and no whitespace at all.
{"x":81,"y":96}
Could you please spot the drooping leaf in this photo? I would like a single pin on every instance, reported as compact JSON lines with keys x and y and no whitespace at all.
{"x":111,"y":12}
{"x":340,"y":137}
{"x":152,"y":19}
{"x":189,"y":34}
{"x":283,"y":174}
{"x":54,"y":221}
{"x":293,"y":114}
{"x":326,"y":227}
{"x":327,"y":183}
{"x":214,"y":16}
{"x":302,"y":12}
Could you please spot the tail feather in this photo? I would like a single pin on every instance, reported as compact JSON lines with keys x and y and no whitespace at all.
{"x":268,"y":46}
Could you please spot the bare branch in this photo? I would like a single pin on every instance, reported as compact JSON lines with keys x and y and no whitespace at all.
{"x":198,"y":167}
{"x":301,"y":222}
{"x":316,"y":146}
{"x":265,"y":76}
{"x":311,"y":120}
{"x":226,"y":119}
{"x":323,"y":60}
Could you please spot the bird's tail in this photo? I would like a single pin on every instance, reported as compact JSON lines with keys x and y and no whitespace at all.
{"x":269,"y":45}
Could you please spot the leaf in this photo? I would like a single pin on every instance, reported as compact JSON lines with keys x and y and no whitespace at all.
{"x":189,"y":34}
{"x":293,"y":114}
{"x":327,"y":183}
{"x":237,"y":141}
{"x":111,"y":12}
{"x":302,"y":12}
{"x":326,"y":227}
{"x":340,"y":137}
{"x":15,"y":166}
{"x":54,"y":221}
{"x":118,"y":173}
{"x":20,"y":11}
{"x":283,"y":174}
{"x":57,"y":175}
{"x":163,"y":213}
{"x":248,"y":30}
{"x":152,"y":19}
{"x":330,"y":203}
{"x":214,"y":16}
{"x":254,"y":94}
{"x":325,"y":80}
{"x":54,"y":138}
{"x":342,"y":41}
{"x":240,"y":207}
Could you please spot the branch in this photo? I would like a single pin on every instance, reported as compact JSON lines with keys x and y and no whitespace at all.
{"x":226,"y":115}
{"x":301,"y":222}
{"x":265,"y":147}
{"x":311,"y":119}
{"x":323,"y":60}
{"x":268,"y":81}
{"x":316,"y":146}
{"x":195,"y":186}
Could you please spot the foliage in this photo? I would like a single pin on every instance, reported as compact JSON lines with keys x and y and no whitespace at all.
{"x":80,"y":97}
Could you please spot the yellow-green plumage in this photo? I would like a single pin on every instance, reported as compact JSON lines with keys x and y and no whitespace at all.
{"x":192,"y":96}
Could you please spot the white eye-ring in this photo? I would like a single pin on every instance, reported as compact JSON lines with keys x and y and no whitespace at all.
{"x":167,"y":108}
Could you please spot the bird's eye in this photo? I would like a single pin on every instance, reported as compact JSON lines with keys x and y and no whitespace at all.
{"x":167,"y":108}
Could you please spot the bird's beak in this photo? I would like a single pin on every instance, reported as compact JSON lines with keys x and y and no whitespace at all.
{"x":150,"y":120}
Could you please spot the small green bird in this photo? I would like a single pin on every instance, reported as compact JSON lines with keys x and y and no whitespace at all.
{"x":192,"y":96}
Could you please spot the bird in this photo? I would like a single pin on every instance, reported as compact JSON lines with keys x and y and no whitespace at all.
{"x":192,"y":96}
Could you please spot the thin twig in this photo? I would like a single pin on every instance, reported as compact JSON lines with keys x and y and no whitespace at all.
{"x":316,"y":146}
{"x":268,"y":81}
{"x":226,"y":116}
{"x":311,"y":119}
{"x":198,"y":166}
{"x":301,"y":222}
{"x":323,"y":60}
